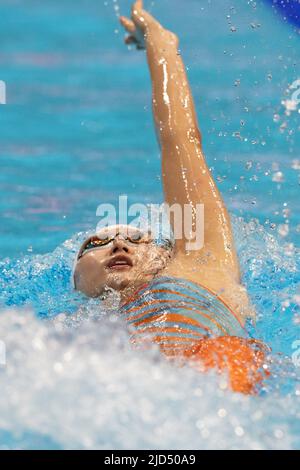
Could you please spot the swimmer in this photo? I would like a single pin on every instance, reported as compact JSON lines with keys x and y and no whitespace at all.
{"x":190,"y":302}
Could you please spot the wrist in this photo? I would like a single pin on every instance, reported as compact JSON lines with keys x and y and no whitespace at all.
{"x":161,"y":38}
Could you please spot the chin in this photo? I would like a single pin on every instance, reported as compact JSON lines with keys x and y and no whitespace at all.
{"x":119,"y":282}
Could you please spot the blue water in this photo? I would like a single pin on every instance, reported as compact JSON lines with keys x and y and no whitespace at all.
{"x":288,"y":9}
{"x":77,"y":131}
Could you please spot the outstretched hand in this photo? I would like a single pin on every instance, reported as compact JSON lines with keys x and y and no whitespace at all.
{"x":138,"y":26}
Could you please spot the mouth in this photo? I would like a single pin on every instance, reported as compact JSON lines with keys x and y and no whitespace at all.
{"x":120,"y":263}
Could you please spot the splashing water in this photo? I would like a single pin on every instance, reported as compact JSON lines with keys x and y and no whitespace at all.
{"x":71,"y":379}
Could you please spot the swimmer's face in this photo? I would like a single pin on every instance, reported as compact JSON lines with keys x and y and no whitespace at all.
{"x":118,"y":257}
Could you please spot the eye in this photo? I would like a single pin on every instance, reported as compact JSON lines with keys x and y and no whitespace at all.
{"x":167,"y":244}
{"x":93,"y":243}
{"x":137,"y":237}
{"x":103,"y":239}
{"x":90,"y":244}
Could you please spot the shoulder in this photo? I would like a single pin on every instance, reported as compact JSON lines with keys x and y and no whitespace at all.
{"x":218,"y":281}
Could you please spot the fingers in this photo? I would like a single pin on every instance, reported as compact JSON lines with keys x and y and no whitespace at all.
{"x":138,"y":25}
{"x":127,"y":24}
{"x":140,"y":17}
{"x":138,"y":4}
{"x":130,"y":40}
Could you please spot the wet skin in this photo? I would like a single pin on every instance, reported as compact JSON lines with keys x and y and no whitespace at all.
{"x":186,"y":181}
{"x":120,"y":265}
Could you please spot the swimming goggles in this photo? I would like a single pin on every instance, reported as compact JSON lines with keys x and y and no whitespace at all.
{"x":95,"y":241}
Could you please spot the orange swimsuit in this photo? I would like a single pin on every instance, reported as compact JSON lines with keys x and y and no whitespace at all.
{"x":190,"y":322}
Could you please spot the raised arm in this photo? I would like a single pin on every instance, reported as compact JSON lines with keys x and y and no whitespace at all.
{"x":186,"y":177}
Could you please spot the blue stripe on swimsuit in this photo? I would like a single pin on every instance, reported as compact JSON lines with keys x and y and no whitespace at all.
{"x":172,"y":311}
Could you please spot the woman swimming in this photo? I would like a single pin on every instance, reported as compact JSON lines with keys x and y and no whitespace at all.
{"x":190,"y":302}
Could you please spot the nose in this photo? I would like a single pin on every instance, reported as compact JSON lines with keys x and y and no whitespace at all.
{"x":119,"y":245}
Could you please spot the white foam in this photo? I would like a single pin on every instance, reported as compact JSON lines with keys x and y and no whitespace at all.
{"x":84,"y":387}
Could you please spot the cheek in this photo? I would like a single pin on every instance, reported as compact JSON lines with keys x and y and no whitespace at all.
{"x":90,"y":275}
{"x":144,"y":255}
{"x":91,"y":262}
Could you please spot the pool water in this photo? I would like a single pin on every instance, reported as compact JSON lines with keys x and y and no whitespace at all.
{"x":77,"y":131}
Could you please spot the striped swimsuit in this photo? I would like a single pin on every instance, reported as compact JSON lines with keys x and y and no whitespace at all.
{"x":177,"y":314}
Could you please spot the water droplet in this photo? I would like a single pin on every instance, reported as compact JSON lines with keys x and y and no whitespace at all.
{"x":222,"y":413}
{"x":296,"y":164}
{"x":278,"y":433}
{"x":278,"y":177}
{"x":283,"y":230}
{"x":239,"y":431}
